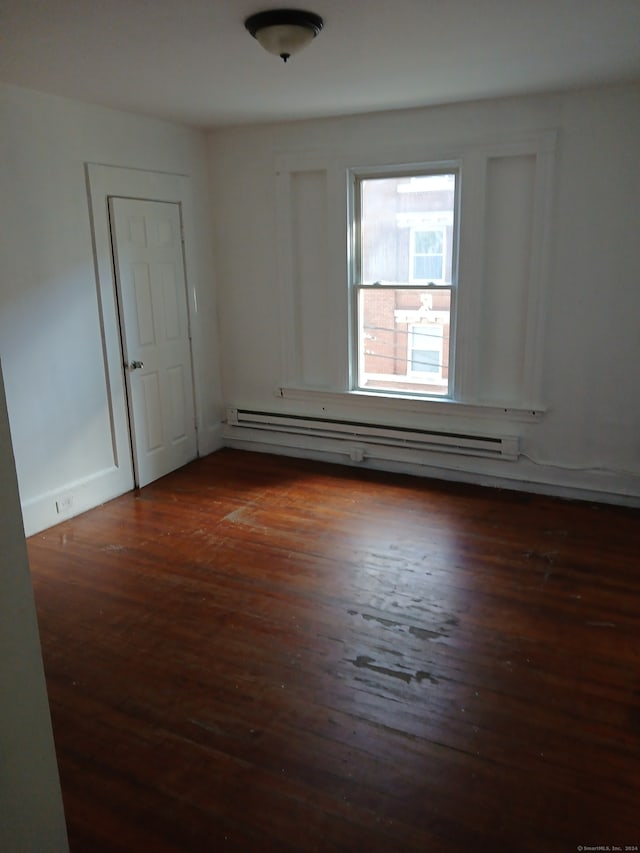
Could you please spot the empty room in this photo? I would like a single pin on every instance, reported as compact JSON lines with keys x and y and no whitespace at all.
{"x":320,"y":426}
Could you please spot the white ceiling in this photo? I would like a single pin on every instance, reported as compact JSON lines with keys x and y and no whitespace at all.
{"x":193,"y":61}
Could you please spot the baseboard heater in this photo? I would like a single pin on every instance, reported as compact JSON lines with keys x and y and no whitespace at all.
{"x":441,"y":441}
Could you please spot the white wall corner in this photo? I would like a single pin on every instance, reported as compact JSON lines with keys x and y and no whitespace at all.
{"x":31,"y":811}
{"x":211,"y":439}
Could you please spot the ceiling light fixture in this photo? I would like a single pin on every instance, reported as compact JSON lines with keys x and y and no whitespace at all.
{"x":284,"y":32}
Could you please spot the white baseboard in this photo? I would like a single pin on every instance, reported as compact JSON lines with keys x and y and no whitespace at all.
{"x":71,"y":499}
{"x":523,"y":475}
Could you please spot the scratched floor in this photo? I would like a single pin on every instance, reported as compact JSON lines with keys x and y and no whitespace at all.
{"x":260,"y":654}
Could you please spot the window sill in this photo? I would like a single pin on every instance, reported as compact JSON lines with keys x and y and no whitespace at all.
{"x":408,"y":403}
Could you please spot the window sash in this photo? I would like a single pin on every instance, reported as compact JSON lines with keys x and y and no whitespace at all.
{"x":383,"y":350}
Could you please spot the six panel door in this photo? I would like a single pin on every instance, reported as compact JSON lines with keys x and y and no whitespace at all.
{"x":154,"y":322}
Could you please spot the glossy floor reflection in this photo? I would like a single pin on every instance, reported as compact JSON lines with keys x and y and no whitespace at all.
{"x":259,"y":653}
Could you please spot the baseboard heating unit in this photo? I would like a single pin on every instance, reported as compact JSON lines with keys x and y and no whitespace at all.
{"x":442,"y":441}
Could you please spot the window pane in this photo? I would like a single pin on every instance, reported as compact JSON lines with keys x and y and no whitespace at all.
{"x":406,"y":228}
{"x":403,"y":340}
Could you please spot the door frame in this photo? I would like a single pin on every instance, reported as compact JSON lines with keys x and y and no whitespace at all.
{"x":102,"y":183}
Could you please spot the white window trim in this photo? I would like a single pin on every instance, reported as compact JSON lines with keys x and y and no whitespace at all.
{"x":382,"y":401}
{"x":470,"y":154}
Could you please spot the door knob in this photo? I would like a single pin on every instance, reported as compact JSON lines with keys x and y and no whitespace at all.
{"x":136,"y":365}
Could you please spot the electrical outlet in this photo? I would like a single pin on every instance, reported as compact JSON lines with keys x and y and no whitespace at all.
{"x":64,"y":504}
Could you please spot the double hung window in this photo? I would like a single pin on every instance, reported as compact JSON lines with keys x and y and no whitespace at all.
{"x":404,"y":280}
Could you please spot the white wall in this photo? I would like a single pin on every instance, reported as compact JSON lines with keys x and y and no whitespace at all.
{"x":587,"y":441}
{"x":31,"y":815}
{"x":50,"y":329}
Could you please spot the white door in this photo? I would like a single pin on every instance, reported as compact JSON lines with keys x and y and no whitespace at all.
{"x":154,"y":323}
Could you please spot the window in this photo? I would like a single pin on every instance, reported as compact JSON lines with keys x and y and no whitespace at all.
{"x":425,"y":350}
{"x":427,"y":254}
{"x":404,"y":279}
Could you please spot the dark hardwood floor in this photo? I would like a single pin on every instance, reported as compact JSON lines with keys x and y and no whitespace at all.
{"x":258,"y":653}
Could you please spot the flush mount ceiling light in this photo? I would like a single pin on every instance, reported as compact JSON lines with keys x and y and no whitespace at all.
{"x":284,"y":32}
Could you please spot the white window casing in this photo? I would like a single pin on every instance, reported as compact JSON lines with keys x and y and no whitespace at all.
{"x":505,"y":203}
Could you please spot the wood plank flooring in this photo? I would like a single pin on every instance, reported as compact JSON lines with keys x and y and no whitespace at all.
{"x":258,"y":653}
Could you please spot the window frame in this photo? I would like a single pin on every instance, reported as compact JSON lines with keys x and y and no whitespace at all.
{"x":356,"y":177}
